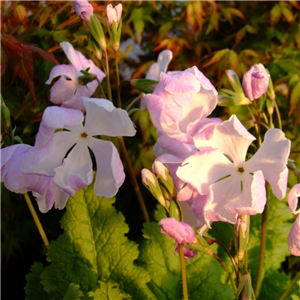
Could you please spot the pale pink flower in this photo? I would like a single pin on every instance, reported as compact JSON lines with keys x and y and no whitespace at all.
{"x":114,"y":14}
{"x":233,"y":185}
{"x":83,"y":9}
{"x":68,"y":90}
{"x":256,"y":81}
{"x":180,"y":101}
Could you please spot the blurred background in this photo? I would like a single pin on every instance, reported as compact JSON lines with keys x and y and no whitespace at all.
{"x":214,"y":36}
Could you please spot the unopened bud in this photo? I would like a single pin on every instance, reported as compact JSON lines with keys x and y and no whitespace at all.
{"x":242,"y":235}
{"x":235,"y":82}
{"x":5,"y":116}
{"x":164,"y":176}
{"x":246,"y":288}
{"x":83,"y":9}
{"x":151,"y":183}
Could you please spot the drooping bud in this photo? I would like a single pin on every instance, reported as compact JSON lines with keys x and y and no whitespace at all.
{"x":164,"y":176}
{"x":188,"y":253}
{"x":83,"y":9}
{"x":181,"y":232}
{"x":256,"y":81}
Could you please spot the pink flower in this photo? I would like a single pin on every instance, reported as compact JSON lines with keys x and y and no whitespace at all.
{"x":294,"y":238}
{"x":114,"y":14}
{"x":235,"y":186}
{"x":256,"y":81}
{"x":179,"y":231}
{"x":65,"y":154}
{"x":187,"y":253}
{"x":180,"y":101}
{"x":47,"y":193}
{"x":68,"y":90}
{"x":83,"y":9}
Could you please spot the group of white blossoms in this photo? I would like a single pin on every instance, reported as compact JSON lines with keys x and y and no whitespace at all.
{"x":206,"y":156}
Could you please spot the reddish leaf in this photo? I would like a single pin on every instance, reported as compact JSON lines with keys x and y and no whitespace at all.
{"x":23,"y":68}
{"x":12,"y":44}
{"x":72,"y":20}
{"x":4,"y":60}
{"x":42,"y":53}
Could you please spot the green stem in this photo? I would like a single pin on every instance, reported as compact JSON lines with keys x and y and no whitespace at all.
{"x":288,"y":289}
{"x":183,"y":273}
{"x":133,"y":179}
{"x":227,"y":270}
{"x":107,"y":77}
{"x":263,"y":242}
{"x":278,"y":114}
{"x":37,"y":221}
{"x":118,"y":80}
{"x":101,"y":88}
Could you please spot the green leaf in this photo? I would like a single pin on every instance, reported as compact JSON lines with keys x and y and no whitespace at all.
{"x":275,"y":14}
{"x":73,"y":292}
{"x":203,"y":272}
{"x":34,"y":288}
{"x":295,"y":97}
{"x":93,"y":247}
{"x":109,"y":291}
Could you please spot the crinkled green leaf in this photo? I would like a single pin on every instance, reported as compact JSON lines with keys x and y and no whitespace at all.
{"x":273,"y":285}
{"x":93,"y":247}
{"x":203,"y":272}
{"x":34,"y":288}
{"x":109,"y":291}
{"x":73,"y":292}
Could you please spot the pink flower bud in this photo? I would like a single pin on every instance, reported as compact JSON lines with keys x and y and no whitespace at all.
{"x":83,"y":9}
{"x":256,"y":81}
{"x":188,"y":253}
{"x":179,"y":231}
{"x":146,"y":174}
{"x":160,"y":169}
{"x":114,"y":14}
{"x":294,"y":238}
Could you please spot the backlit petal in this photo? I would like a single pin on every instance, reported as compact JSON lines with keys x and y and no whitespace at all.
{"x":294,"y":238}
{"x":293,"y":198}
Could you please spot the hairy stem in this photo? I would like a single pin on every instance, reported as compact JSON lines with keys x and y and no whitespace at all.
{"x":37,"y":221}
{"x":133,"y":179}
{"x":118,"y":80}
{"x":183,"y":273}
{"x":263,"y":242}
{"x":107,"y":77}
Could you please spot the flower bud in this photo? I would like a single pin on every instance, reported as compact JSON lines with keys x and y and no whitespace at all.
{"x":188,"y":253}
{"x":256,"y":81}
{"x":164,"y":176}
{"x":179,"y":231}
{"x":86,"y":77}
{"x":114,"y":14}
{"x":245,"y":288}
{"x":235,"y":82}
{"x":83,"y":9}
{"x":242,"y":235}
{"x":151,"y":183}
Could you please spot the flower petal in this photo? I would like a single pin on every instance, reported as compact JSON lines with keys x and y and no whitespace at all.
{"x":110,"y":173}
{"x":294,"y":238}
{"x":73,"y":55}
{"x":72,"y":176}
{"x":271,"y":159}
{"x":102,"y":118}
{"x":204,"y":168}
{"x":62,"y":70}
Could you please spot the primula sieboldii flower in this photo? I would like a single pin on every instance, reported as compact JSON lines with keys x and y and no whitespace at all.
{"x":181,"y":100}
{"x":114,"y":14}
{"x":233,"y":185}
{"x":83,"y":9}
{"x":294,"y":235}
{"x":181,"y":232}
{"x":75,"y":171}
{"x":68,"y":90}
{"x":47,"y":193}
{"x":256,"y":81}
